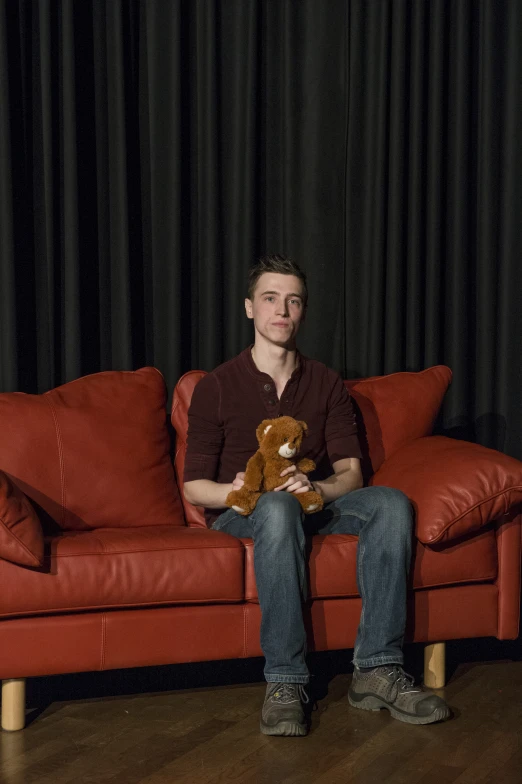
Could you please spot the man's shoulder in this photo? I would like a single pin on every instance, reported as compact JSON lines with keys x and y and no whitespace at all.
{"x":317,"y":369}
{"x":227,"y":369}
{"x":223,"y":375}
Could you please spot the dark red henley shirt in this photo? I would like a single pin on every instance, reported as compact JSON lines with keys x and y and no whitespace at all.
{"x":229,"y":403}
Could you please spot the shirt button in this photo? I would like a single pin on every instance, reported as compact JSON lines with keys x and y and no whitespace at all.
{"x":267,"y":387}
{"x":271,"y":402}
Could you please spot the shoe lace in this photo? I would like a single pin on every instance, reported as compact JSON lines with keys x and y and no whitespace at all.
{"x":286,"y":692}
{"x":403,"y":680}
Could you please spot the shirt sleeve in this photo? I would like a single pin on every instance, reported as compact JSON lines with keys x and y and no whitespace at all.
{"x":341,"y":426}
{"x":205,"y":431}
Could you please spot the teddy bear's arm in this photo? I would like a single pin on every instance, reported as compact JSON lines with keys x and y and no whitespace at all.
{"x":305,"y":465}
{"x":254,"y":472}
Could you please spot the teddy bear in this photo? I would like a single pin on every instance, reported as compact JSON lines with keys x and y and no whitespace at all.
{"x":279,"y":441}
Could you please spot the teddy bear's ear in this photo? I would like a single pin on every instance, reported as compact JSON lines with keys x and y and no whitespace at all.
{"x":263,"y":428}
{"x":303,"y":425}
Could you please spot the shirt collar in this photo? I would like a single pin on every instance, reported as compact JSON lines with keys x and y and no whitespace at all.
{"x":252,"y":368}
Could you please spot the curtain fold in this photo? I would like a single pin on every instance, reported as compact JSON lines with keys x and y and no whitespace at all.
{"x":150,"y":150}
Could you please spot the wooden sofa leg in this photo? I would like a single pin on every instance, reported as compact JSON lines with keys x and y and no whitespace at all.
{"x":13,"y":704}
{"x":435,"y":665}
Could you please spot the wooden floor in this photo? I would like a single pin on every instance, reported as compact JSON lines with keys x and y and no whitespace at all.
{"x":193,"y":728}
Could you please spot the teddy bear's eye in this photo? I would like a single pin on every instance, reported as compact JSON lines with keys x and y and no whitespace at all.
{"x":286,"y":439}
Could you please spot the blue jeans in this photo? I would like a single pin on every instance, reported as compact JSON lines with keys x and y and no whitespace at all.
{"x":382,"y":519}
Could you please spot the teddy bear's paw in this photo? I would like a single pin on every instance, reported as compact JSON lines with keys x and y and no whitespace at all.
{"x":312,"y":507}
{"x":238,"y":509}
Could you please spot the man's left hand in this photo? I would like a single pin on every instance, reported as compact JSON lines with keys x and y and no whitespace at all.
{"x":296,"y":482}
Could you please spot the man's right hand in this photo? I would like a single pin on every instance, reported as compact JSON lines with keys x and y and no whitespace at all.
{"x":213,"y":495}
{"x":239,"y":481}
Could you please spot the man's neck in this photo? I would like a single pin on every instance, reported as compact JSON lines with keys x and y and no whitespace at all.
{"x":278,"y":362}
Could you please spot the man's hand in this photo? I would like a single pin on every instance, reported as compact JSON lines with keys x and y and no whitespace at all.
{"x":296,"y":483}
{"x":239,"y":481}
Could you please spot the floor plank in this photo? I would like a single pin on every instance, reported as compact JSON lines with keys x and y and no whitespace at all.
{"x":210,"y":735}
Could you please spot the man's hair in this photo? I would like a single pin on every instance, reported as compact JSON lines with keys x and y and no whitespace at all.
{"x":282,"y":265}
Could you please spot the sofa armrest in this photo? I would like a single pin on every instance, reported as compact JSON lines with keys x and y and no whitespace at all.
{"x":456,"y":487}
{"x":509,"y":547}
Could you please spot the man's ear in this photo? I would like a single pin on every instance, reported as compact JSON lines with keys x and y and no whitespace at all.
{"x":263,"y":428}
{"x":248,"y":308}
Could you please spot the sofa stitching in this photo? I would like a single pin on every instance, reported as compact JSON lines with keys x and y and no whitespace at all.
{"x":60,"y":454}
{"x":98,"y":607}
{"x":145,"y":550}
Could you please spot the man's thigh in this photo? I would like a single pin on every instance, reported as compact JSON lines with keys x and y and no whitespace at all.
{"x":347,"y":514}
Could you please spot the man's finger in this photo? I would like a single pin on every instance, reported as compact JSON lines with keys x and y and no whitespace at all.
{"x":298,"y":487}
{"x":288,"y":470}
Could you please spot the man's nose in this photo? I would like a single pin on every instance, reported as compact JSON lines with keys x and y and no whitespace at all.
{"x":282,"y":308}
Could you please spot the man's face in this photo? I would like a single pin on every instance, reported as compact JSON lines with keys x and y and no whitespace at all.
{"x":277,"y":308}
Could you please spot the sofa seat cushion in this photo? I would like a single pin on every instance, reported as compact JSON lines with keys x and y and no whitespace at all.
{"x":332,"y":565}
{"x":93,"y":453}
{"x":135,"y":567}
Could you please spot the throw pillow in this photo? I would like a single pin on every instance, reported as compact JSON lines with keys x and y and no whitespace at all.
{"x":395,"y":409}
{"x":21,"y":536}
{"x":94,"y":453}
{"x":456,"y":487}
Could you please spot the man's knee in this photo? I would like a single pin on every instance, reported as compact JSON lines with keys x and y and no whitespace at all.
{"x":395,"y":512}
{"x":281,"y":503}
{"x":278,"y":512}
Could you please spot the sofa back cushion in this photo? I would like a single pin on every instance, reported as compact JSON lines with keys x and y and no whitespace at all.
{"x":392,"y":410}
{"x":21,"y":535}
{"x":93,"y":453}
{"x":396,"y":409}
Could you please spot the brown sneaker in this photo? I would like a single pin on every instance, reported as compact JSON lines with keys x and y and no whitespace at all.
{"x":282,"y":712}
{"x":390,"y":687}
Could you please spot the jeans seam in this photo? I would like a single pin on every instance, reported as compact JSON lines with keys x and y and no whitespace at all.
{"x":377,"y":661}
{"x":360,"y":555}
{"x":275,"y":678}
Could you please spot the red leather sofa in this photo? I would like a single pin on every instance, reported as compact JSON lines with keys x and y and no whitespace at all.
{"x":104,"y":565}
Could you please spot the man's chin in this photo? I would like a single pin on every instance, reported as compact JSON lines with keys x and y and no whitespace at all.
{"x":286,"y":341}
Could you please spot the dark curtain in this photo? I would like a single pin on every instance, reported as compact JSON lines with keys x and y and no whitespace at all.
{"x":149,"y":151}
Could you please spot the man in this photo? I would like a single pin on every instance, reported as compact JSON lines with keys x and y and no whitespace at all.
{"x":270,"y":379}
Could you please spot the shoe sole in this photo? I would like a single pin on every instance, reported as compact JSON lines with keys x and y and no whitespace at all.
{"x":287,"y":728}
{"x":372,"y":703}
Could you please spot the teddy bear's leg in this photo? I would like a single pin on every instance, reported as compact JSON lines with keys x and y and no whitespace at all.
{"x":311,"y":501}
{"x":242,"y":501}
